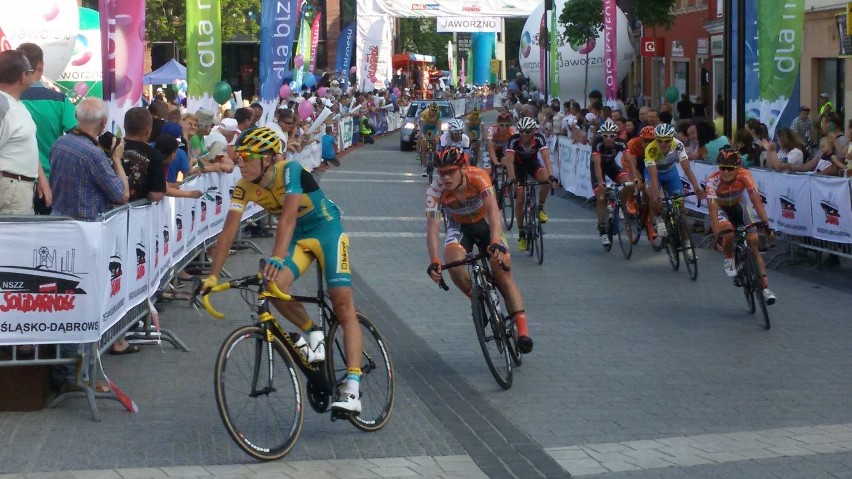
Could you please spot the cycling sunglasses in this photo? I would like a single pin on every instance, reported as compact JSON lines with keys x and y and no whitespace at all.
{"x":527,"y":132}
{"x":729,"y":167}
{"x":504,"y":125}
{"x":247,"y":155}
{"x":610,"y":136}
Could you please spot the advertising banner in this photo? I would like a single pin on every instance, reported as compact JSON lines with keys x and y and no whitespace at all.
{"x":122,"y":54}
{"x":50,"y":287}
{"x":371,"y":39}
{"x":831,"y":208}
{"x":470,"y":24}
{"x":50,"y":24}
{"x":610,"y":49}
{"x":277,"y":31}
{"x":575,"y":174}
{"x":764,"y":179}
{"x":82,"y":77}
{"x":780,"y":32}
{"x":701,"y":172}
{"x":345,"y":45}
{"x":457,"y":9}
{"x":190,"y":214}
{"x":4,"y":41}
{"x":182,"y":212}
{"x":543,"y":37}
{"x":315,"y":31}
{"x":204,"y":52}
{"x":554,"y":87}
{"x":116,"y":267}
{"x":791,"y":199}
{"x":139,"y":244}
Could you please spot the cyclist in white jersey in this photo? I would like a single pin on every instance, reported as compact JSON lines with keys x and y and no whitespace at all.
{"x":454,"y":136}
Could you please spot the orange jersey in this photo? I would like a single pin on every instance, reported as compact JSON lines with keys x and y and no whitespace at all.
{"x":469,"y":210}
{"x":636,"y":147}
{"x":729,"y":194}
{"x":499,"y":139}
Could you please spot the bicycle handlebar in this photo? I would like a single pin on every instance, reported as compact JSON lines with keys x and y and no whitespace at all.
{"x":743,"y":228}
{"x":469,"y":259}
{"x":243,"y":282}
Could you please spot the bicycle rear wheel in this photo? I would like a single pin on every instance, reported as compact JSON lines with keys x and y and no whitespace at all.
{"x":539,"y":240}
{"x":744,"y":270}
{"x":688,"y":248}
{"x":757,"y":294}
{"x":258,"y":393}
{"x":377,"y":374}
{"x":492,"y":337}
{"x":531,"y":221}
{"x":626,"y":232}
{"x":610,"y":230}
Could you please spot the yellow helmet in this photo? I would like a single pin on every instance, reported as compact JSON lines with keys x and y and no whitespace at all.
{"x":475,"y":110}
{"x":433,"y":106}
{"x":259,"y":140}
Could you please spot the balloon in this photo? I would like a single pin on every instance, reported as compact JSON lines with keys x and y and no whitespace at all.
{"x":672,"y":94}
{"x":396,"y":91}
{"x":53,"y":25}
{"x":284,"y":92}
{"x":310,"y":80}
{"x":222,"y":92}
{"x":353,"y":69}
{"x":298,"y":60}
{"x":306,"y":109}
{"x":292,"y":86}
{"x":176,"y":87}
{"x":374,"y":79}
{"x":81,"y":88}
{"x":322,"y":91}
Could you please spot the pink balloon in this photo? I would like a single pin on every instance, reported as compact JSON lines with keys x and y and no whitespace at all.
{"x":81,"y":88}
{"x":374,"y":79}
{"x":353,"y":69}
{"x":284,"y":92}
{"x":322,"y":91}
{"x":306,"y":109}
{"x":396,"y":91}
{"x":298,"y":60}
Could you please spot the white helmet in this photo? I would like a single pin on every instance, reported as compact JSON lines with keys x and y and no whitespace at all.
{"x":455,"y":126}
{"x":608,"y":126}
{"x":527,"y":123}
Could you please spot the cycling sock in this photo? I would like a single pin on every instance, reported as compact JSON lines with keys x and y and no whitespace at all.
{"x":308,"y":326}
{"x":522,"y":234}
{"x":601,"y":228}
{"x":521,"y":321}
{"x":353,"y":381}
{"x":468,"y":293}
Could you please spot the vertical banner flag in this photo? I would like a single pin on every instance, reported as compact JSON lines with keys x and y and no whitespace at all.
{"x":4,"y":42}
{"x":372,"y":47}
{"x":83,"y":75}
{"x":469,"y":69}
{"x":204,"y":52}
{"x":610,"y":49}
{"x":452,"y":63}
{"x":542,"y":41}
{"x":123,"y":48}
{"x":752,"y":72}
{"x":303,"y":48}
{"x":345,"y":44}
{"x":554,"y":55}
{"x":277,"y":32}
{"x":779,"y":54}
{"x":315,"y":32}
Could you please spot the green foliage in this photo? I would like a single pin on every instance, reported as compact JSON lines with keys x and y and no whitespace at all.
{"x":165,"y":20}
{"x":581,"y":20}
{"x":420,"y":35}
{"x":514,"y":30}
{"x":654,"y":13}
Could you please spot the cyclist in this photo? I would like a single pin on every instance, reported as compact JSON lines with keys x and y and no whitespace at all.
{"x":661,"y":158}
{"x":635,"y":155}
{"x":604,"y":154}
{"x":454,"y":136}
{"x":527,"y":154}
{"x":430,"y":127}
{"x":498,"y":136}
{"x":474,"y":131}
{"x":308,"y":227}
{"x":466,"y":195}
{"x":726,"y":191}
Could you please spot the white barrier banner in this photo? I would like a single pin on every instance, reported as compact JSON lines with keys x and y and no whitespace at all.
{"x":139,"y":243}
{"x":791,"y":199}
{"x":189,"y":216}
{"x":469,"y":24}
{"x":50,"y":284}
{"x":182,"y":214}
{"x":701,"y":172}
{"x":831,"y":208}
{"x":114,"y":262}
{"x":574,"y":163}
{"x":309,"y":157}
{"x":162,"y":220}
{"x":766,"y":187}
{"x":209,"y":185}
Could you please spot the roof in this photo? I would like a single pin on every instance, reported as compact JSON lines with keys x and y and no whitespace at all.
{"x":167,"y":73}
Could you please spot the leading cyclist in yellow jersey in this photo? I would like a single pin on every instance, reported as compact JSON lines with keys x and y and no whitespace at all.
{"x":430,"y":127}
{"x":474,"y":132}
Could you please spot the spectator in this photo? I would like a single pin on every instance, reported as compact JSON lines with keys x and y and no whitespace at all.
{"x":652,"y":118}
{"x":167,"y":146}
{"x":87,"y":179}
{"x":142,"y":163}
{"x":595,"y":97}
{"x":52,"y":112}
{"x":791,"y":154}
{"x":825,"y":105}
{"x":826,"y":163}
{"x":197,"y":146}
{"x":159,"y":109}
{"x":699,"y":109}
{"x":802,"y":125}
{"x":709,"y":142}
{"x":684,"y":108}
{"x":178,"y":167}
{"x":622,"y":128}
{"x":189,"y":126}
{"x":631,"y":129}
{"x":632,"y":109}
{"x":244,"y":117}
{"x":643,"y":116}
{"x":257,"y":111}
{"x":365,"y":128}
{"x":751,"y":152}
{"x":688,"y":135}
{"x":217,"y":142}
{"x":20,"y":166}
{"x":831,"y":126}
{"x":666,"y":117}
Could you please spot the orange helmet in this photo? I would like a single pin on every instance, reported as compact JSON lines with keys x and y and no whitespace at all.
{"x":647,"y":133}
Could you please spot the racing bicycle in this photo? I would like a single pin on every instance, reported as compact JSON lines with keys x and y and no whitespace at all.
{"x":678,"y":241}
{"x":748,"y":276}
{"x":619,"y":221}
{"x":532,"y":225}
{"x":505,"y":195}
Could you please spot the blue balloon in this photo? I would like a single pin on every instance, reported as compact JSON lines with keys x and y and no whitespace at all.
{"x":513,"y":86}
{"x":310,"y":80}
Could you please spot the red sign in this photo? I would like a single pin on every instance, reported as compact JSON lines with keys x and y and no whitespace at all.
{"x":653,"y":46}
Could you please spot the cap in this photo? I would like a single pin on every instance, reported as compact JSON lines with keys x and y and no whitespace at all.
{"x":334,"y":83}
{"x":204,"y":117}
{"x":804,"y":108}
{"x":230,"y":125}
{"x":172,"y":129}
{"x":823,"y":95}
{"x":159,"y":88}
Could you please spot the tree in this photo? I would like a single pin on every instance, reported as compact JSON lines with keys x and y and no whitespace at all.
{"x":165,"y":20}
{"x":420,"y":35}
{"x":581,"y":20}
{"x":654,"y":13}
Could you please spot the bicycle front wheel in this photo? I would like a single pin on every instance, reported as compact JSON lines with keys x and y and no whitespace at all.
{"x":377,"y":374}
{"x":671,"y":243}
{"x":626,"y":232}
{"x":539,"y":241}
{"x":507,"y":199}
{"x":258,"y":393}
{"x":744,"y":270}
{"x":492,"y":337}
{"x":689,"y":256}
{"x":531,"y":222}
{"x":757,"y":294}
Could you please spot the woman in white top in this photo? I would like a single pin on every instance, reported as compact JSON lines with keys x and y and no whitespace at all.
{"x":791,"y":153}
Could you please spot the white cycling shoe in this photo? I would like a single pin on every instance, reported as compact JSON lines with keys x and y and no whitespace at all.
{"x":347,"y":403}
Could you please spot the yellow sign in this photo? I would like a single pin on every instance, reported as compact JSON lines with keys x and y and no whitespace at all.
{"x":495,"y":66}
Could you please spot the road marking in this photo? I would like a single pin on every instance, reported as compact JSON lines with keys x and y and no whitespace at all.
{"x":373,"y":173}
{"x":685,"y":451}
{"x":361,"y":180}
{"x":421,"y":218}
{"x":409,"y":234}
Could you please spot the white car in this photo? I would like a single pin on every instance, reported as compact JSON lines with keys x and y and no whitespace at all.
{"x":410,"y":130}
